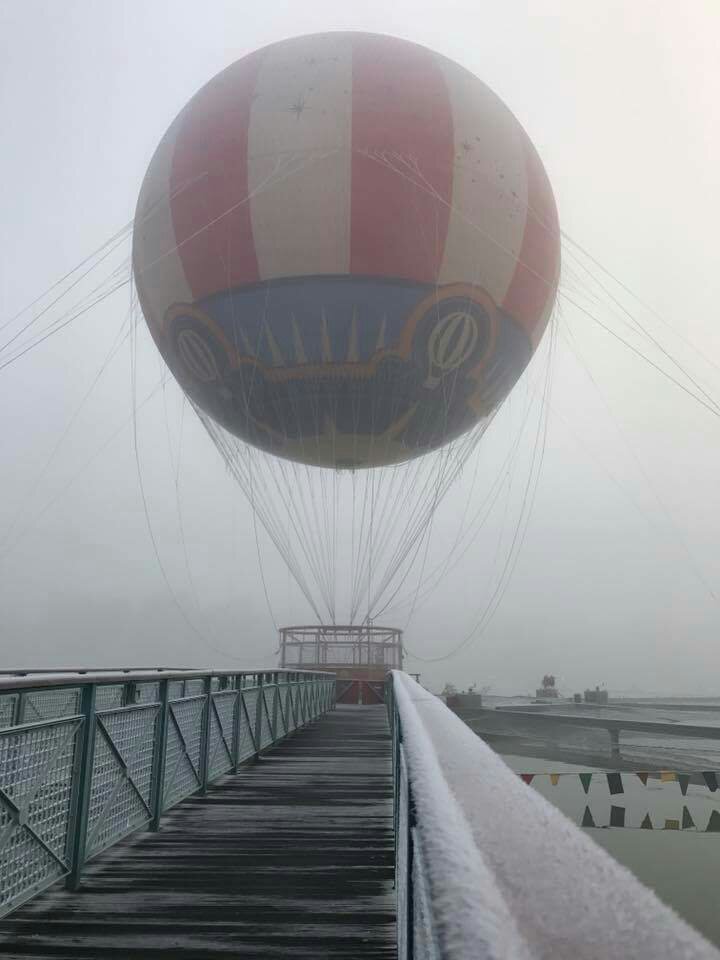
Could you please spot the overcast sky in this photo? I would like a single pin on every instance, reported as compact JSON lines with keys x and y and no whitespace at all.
{"x":615,"y":580}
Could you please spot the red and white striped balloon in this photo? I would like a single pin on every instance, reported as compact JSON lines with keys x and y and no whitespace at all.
{"x":363,"y":159}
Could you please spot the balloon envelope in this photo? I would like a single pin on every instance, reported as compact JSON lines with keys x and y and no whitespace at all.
{"x":346,"y":249}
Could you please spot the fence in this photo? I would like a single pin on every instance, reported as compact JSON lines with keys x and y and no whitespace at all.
{"x":614,"y":725}
{"x":86,"y":759}
{"x":486,"y":868}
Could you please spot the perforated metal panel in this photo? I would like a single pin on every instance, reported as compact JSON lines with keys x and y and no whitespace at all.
{"x":184,"y":738}
{"x":121,"y":776}
{"x":36,"y":772}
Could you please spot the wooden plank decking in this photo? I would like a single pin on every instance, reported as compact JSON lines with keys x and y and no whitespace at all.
{"x":291,"y":858}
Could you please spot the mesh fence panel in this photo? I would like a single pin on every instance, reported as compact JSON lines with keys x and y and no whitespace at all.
{"x":281,"y":723}
{"x":107,"y":697}
{"x":148,"y":692}
{"x":266,"y":737}
{"x":8,"y":705}
{"x":36,"y":769}
{"x":184,"y":739}
{"x":50,"y":705}
{"x":122,"y":774}
{"x":292,"y":706}
{"x":248,"y":707}
{"x":222,"y":718}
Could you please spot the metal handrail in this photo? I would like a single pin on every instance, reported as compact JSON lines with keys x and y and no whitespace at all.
{"x":613,"y":725}
{"x":88,"y":758}
{"x":681,"y":729}
{"x":487,"y":868}
{"x":50,"y":678}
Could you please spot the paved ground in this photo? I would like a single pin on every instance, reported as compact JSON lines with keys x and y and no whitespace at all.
{"x":291,"y":858}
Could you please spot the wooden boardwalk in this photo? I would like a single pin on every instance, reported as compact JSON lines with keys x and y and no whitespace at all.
{"x":291,"y":858}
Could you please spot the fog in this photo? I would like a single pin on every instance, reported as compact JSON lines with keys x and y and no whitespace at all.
{"x":616,"y":580}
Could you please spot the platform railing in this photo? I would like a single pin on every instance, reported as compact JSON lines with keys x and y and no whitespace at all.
{"x":88,"y":758}
{"x":487,"y":869}
{"x":548,"y":715}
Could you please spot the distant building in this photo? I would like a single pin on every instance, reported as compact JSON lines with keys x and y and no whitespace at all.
{"x":464,"y":703}
{"x":596,"y":696}
{"x":548,"y":690}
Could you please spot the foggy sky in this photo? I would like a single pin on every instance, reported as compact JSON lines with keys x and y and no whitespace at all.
{"x":614,"y":581}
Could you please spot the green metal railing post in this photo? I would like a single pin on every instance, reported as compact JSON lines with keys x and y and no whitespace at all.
{"x":258,"y":715}
{"x":160,"y":753}
{"x":77,"y":827}
{"x":20,"y":709}
{"x":205,"y":736}
{"x":291,"y":701}
{"x":276,"y":699}
{"x":237,"y":718}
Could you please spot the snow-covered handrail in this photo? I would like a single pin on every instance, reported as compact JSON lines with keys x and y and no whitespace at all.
{"x":488,"y":869}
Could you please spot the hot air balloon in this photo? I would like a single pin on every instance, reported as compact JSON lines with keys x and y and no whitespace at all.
{"x":346,"y":249}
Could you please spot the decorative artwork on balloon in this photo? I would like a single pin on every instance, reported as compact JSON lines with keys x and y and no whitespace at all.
{"x":346,"y":249}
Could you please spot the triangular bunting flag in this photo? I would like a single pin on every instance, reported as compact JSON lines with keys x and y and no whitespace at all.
{"x":647,"y":823}
{"x":554,"y":777}
{"x":687,"y":820}
{"x":527,"y":777}
{"x":585,"y":779}
{"x":710,"y":780}
{"x":587,"y":820}
{"x":667,"y":776}
{"x":683,"y":780}
{"x":713,"y":823}
{"x":617,"y":816}
{"x":643,"y":778}
{"x":672,"y":824}
{"x":615,"y":784}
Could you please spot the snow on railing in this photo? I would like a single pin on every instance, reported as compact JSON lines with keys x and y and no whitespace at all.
{"x":488,"y":869}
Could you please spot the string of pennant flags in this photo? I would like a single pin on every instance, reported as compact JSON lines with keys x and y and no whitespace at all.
{"x":684,"y":822}
{"x":616,"y":784}
{"x":640,"y":820}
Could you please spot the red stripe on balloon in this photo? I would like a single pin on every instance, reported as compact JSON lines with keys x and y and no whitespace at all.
{"x":535,"y":279}
{"x":211,"y":220}
{"x":402,"y":154}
